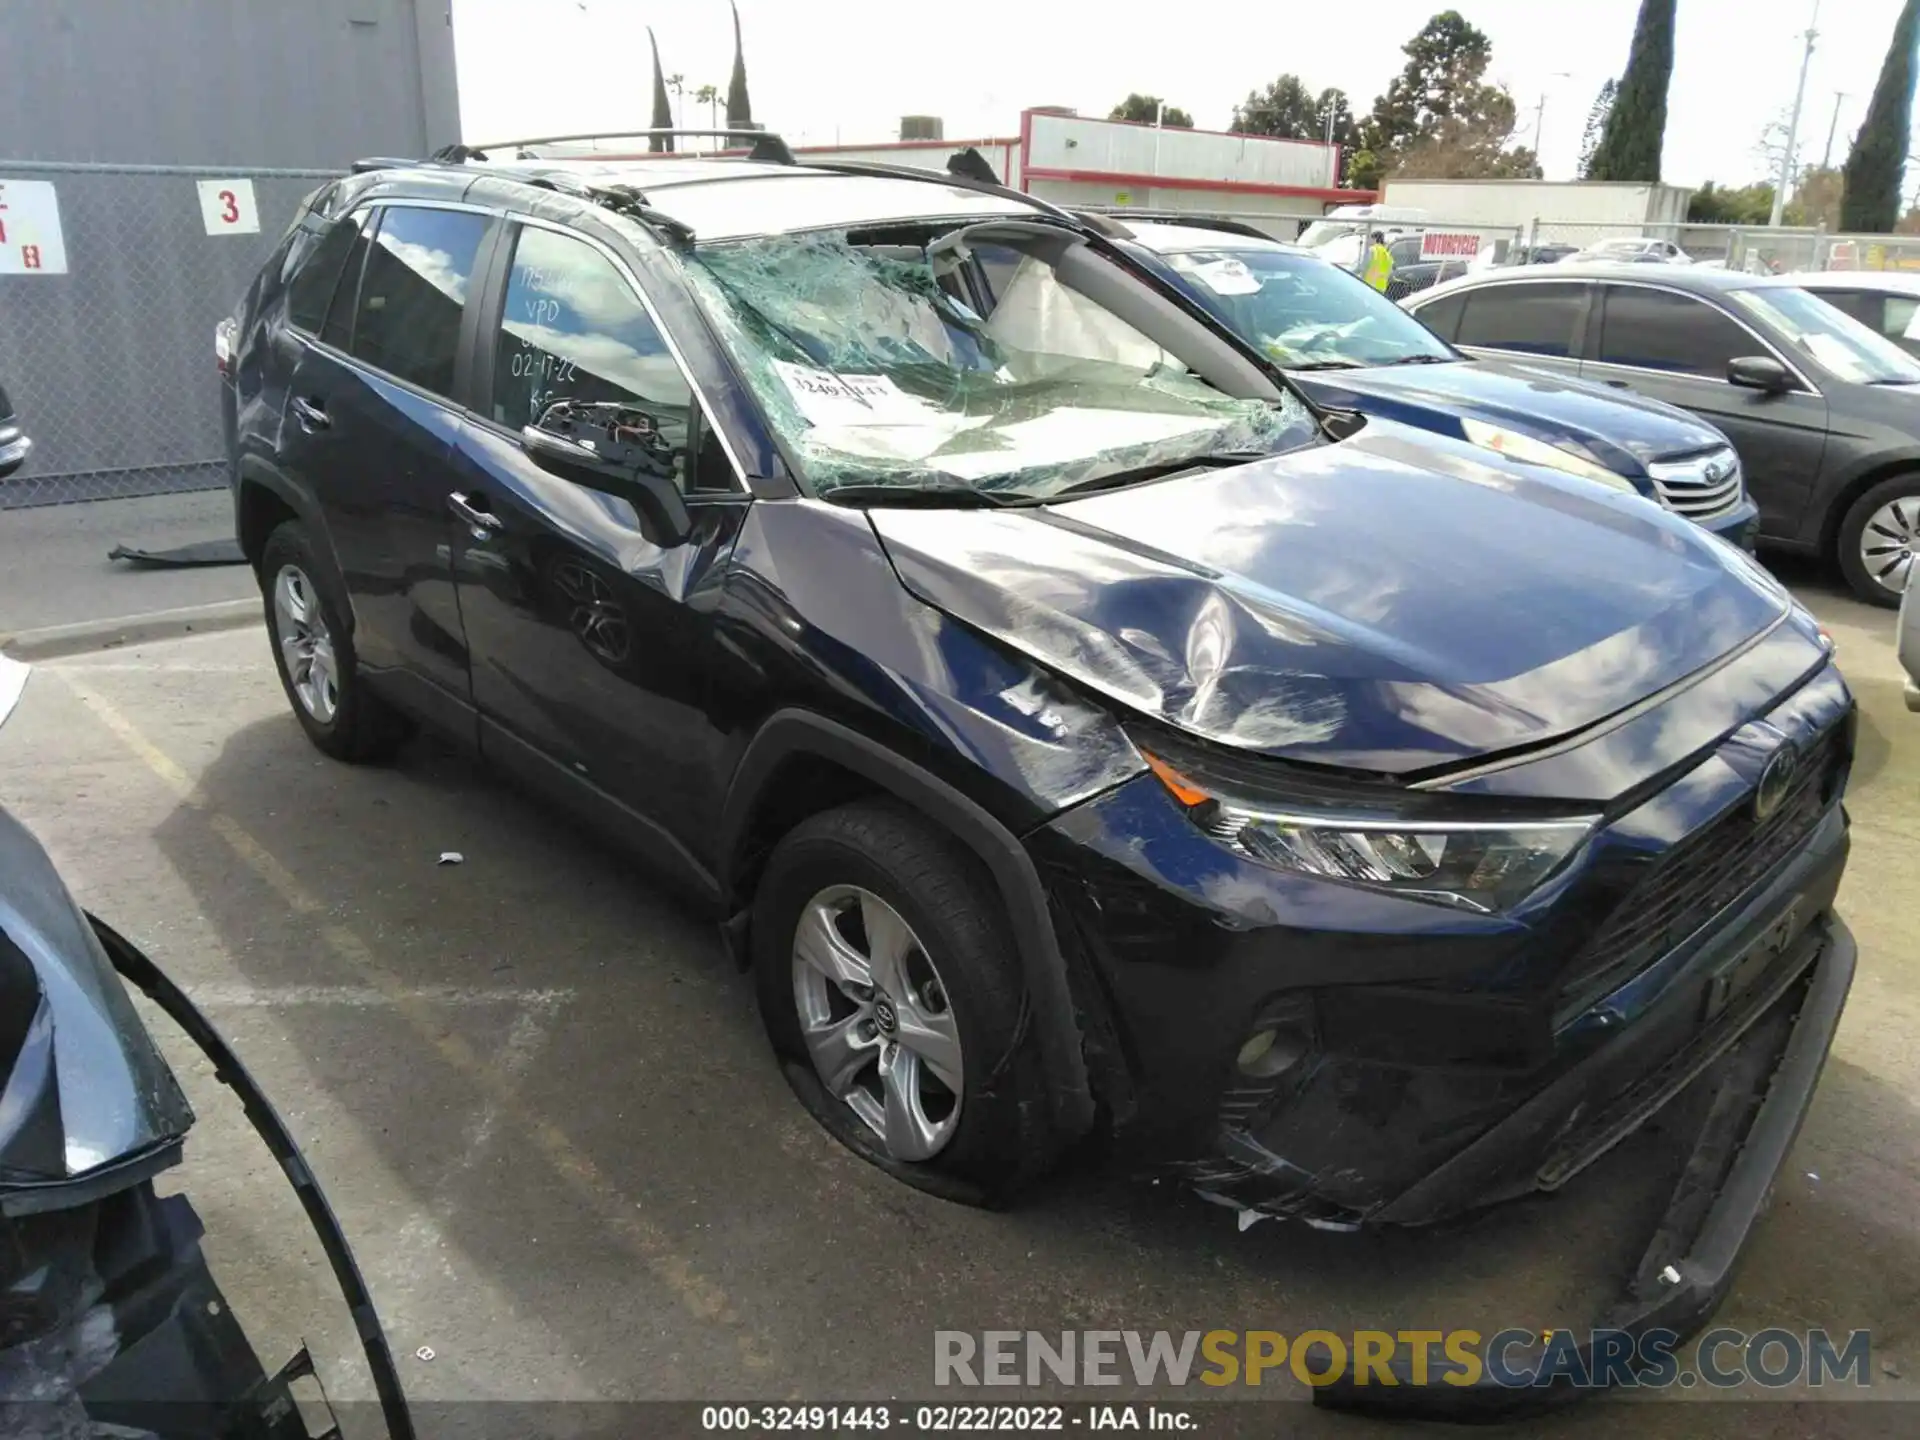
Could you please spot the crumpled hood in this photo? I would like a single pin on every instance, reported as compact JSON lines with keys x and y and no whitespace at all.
{"x":1390,"y":603}
{"x":1614,"y":426}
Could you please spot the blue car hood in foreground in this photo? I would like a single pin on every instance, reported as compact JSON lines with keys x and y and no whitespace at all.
{"x":1391,"y":603}
{"x":1623,"y":431}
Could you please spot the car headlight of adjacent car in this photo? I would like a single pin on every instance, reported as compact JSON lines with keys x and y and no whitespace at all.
{"x":1530,"y":450}
{"x":1483,"y":865}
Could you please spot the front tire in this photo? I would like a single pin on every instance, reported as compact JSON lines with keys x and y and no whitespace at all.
{"x":892,"y":992}
{"x":1879,"y":541}
{"x":313,"y":651}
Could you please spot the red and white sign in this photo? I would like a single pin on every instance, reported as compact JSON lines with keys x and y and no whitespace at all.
{"x":30,"y":239}
{"x":227,"y":208}
{"x":1448,"y":245}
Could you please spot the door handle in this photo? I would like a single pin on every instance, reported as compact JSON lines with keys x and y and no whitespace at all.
{"x":1619,"y":385}
{"x":481,"y":520}
{"x":312,"y":416}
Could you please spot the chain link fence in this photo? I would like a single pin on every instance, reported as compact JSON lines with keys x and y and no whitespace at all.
{"x":112,"y":278}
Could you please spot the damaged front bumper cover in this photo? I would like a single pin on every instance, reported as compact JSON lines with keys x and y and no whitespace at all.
{"x":1763,"y":1086}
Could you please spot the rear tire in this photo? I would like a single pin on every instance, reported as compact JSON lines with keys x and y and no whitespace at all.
{"x":1878,"y":545}
{"x":313,"y":651}
{"x":851,"y":887}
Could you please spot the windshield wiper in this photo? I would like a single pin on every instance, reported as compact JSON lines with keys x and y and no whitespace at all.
{"x":1422,"y":360}
{"x":953,"y":497}
{"x":1324,"y":365}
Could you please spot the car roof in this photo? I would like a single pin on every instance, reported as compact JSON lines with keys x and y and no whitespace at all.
{"x":1888,"y":282}
{"x":738,"y":199}
{"x":1698,"y":279}
{"x":1179,"y":238}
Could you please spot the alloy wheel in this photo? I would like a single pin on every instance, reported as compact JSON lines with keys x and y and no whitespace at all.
{"x":1890,"y":542}
{"x":877,"y":1021}
{"x":305,"y":643}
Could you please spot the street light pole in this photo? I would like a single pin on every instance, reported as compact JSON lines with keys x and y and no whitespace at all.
{"x":1540,"y":110}
{"x":1793,"y":122}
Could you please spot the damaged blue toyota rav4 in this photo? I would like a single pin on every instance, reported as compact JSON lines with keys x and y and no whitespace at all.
{"x":1075,"y":730}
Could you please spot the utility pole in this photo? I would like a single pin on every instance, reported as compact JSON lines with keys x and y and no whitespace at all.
{"x":1826,"y":159}
{"x":1159,"y":124}
{"x":1793,"y":122}
{"x":1540,"y":110}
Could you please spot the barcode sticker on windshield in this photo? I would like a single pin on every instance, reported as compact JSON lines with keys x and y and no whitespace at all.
{"x":827,"y":398}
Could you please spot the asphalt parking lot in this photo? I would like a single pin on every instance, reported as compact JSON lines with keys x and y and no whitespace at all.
{"x":539,"y":1097}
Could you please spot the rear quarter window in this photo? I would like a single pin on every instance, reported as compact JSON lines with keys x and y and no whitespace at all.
{"x":1442,"y":316}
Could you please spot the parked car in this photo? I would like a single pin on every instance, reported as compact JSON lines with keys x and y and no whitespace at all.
{"x":1885,"y":301}
{"x":1412,"y":272}
{"x":1349,"y":349}
{"x":1548,"y":254}
{"x":1632,"y":250}
{"x":1076,"y":727}
{"x":1825,"y":414}
{"x":14,"y":444}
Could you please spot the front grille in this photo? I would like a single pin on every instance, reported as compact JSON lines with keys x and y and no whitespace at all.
{"x":1701,"y":876}
{"x":1699,"y":499}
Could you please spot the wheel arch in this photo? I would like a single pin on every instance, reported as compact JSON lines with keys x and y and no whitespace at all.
{"x":1856,"y":485}
{"x":862,"y":764}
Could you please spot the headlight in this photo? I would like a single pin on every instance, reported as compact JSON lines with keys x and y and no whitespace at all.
{"x":1530,"y":451}
{"x":1487,"y":866}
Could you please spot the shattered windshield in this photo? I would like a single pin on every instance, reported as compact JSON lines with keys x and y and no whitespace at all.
{"x":992,"y":374}
{"x":1304,"y":312}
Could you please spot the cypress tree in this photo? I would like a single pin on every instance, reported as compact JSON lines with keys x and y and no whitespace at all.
{"x":1871,"y":201}
{"x":1629,"y":147}
{"x":662,"y":107}
{"x":739,"y":110}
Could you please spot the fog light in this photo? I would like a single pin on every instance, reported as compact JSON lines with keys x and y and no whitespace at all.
{"x":1272,"y":1051}
{"x":1256,"y":1050}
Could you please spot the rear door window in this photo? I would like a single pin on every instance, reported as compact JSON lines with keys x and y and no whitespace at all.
{"x":1664,"y":330}
{"x":406,"y":318}
{"x":1533,"y":319}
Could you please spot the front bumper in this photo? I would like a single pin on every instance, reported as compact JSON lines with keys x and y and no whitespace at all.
{"x":1739,"y":526}
{"x":1435,"y":1062}
{"x":1762,"y":1089}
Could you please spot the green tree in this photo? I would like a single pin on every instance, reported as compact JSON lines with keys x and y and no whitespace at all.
{"x":1344,"y":129}
{"x":1716,"y":205}
{"x":739,"y":108}
{"x":1879,"y":156}
{"x":1636,"y":128}
{"x":1285,"y":109}
{"x":1596,"y":126}
{"x":1439,"y":116}
{"x":662,"y":106}
{"x":1145,"y":109}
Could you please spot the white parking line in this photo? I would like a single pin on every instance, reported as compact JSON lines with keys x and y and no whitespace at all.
{"x":227,"y":996}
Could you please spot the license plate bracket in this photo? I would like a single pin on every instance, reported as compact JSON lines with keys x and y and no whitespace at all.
{"x":1734,"y":976}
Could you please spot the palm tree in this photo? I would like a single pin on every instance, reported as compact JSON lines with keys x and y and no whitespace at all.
{"x":709,"y":95}
{"x":677,"y":83}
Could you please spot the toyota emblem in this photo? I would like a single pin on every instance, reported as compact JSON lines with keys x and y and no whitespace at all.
{"x":1775,"y":780}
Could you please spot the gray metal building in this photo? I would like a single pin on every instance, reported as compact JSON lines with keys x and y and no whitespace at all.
{"x":239,"y":83}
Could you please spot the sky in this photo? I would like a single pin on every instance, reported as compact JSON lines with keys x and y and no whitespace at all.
{"x":821,"y":71}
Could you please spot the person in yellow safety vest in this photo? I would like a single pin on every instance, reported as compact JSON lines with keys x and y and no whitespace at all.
{"x":1379,"y":271}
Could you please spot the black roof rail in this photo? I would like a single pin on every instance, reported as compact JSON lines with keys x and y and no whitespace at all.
{"x":763,"y":145}
{"x":1197,"y":219}
{"x":958,"y":180}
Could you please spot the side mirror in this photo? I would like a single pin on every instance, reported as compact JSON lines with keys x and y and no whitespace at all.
{"x":1759,"y":372}
{"x":616,"y":450}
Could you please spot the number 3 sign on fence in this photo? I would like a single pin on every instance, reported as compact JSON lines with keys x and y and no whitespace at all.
{"x":30,"y":239}
{"x":227,"y":208}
